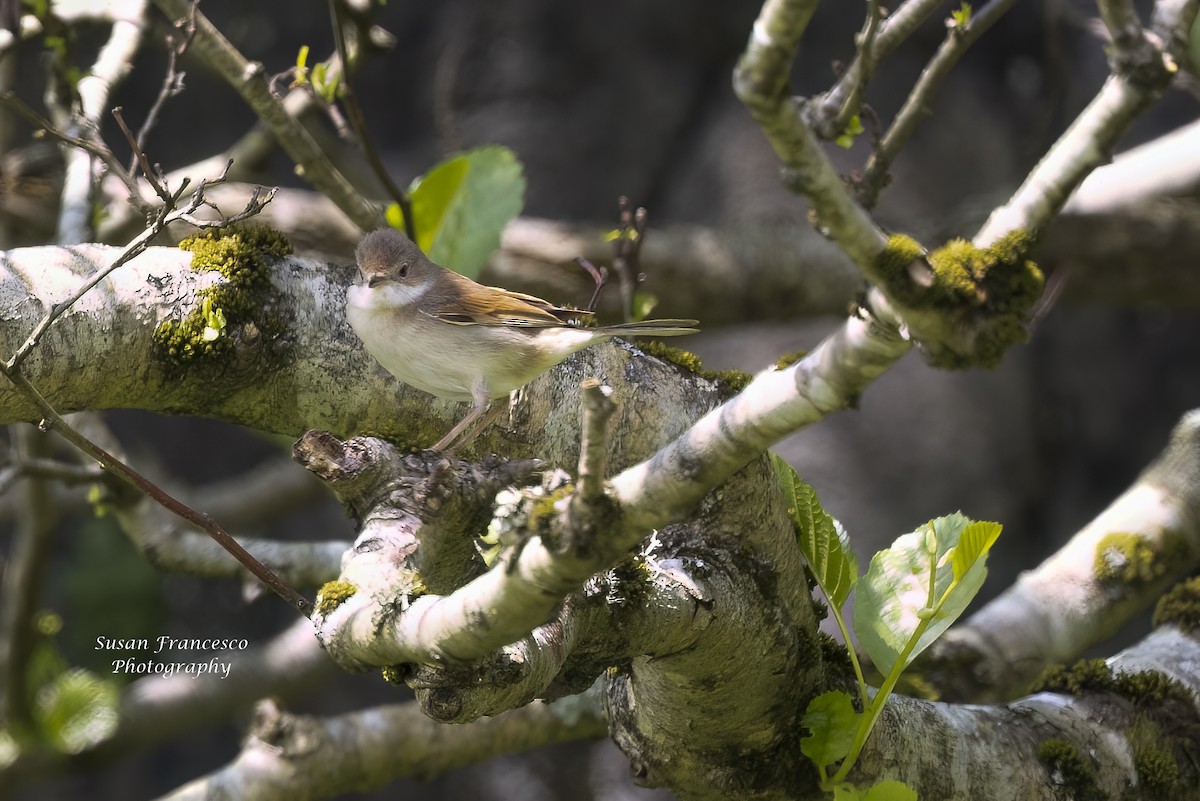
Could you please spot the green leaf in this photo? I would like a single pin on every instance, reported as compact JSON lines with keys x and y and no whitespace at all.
{"x":961,"y":17}
{"x":643,"y":303}
{"x":832,"y":720}
{"x":846,"y":792}
{"x":973,"y":545}
{"x":824,"y":543}
{"x":461,"y":206}
{"x":324,"y":86}
{"x":394,"y":216}
{"x":214,"y":321}
{"x":77,"y":710}
{"x":853,"y":129}
{"x":897,"y":614}
{"x":891,"y":790}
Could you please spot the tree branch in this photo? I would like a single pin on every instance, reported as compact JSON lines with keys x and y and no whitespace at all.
{"x":1000,"y":752}
{"x":1120,"y":563}
{"x":1089,"y":141}
{"x":24,"y":581}
{"x":761,"y":82}
{"x":919,"y":101}
{"x":113,"y":63}
{"x":249,"y":80}
{"x":294,"y":758}
{"x":500,"y":606}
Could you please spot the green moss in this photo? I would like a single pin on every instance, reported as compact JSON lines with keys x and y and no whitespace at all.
{"x":736,"y":380}
{"x":239,"y":309}
{"x":395,"y":674}
{"x":1086,"y":675}
{"x":677,"y":356}
{"x":1181,"y":606}
{"x":1068,"y":766}
{"x":788,"y":359}
{"x":1151,"y":688}
{"x":839,"y":670}
{"x":972,"y":305}
{"x":1145,"y":688}
{"x":1157,"y":769}
{"x":893,"y":262}
{"x":332,"y":595}
{"x":542,"y":511}
{"x":1132,"y":558}
{"x":999,"y":276}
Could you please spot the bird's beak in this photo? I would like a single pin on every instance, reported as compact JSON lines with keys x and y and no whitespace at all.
{"x":376,"y":279}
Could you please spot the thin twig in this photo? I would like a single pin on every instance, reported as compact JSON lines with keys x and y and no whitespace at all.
{"x":101,"y":152}
{"x":359,"y":123}
{"x":47,"y":469}
{"x":172,"y":81}
{"x":832,"y":114}
{"x":22,"y":591}
{"x":598,"y":408}
{"x":51,"y":420}
{"x":250,"y":81}
{"x":916,"y":105}
{"x":898,"y":26}
{"x":139,"y":157}
{"x":626,"y":247}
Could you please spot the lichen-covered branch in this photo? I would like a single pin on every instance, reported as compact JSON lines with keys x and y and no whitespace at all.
{"x":1092,"y":137}
{"x":1117,"y":565}
{"x":1104,"y":732}
{"x":777,"y":402}
{"x":502,"y":605}
{"x":761,"y":82}
{"x":293,"y":758}
{"x":1168,"y":166}
{"x":699,"y":607}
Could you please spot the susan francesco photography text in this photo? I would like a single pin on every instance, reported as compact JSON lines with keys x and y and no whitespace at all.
{"x":171,"y":656}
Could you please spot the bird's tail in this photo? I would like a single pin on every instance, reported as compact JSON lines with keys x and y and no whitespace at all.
{"x":654,"y":328}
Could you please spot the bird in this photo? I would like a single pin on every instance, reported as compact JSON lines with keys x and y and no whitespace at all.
{"x":447,"y":335}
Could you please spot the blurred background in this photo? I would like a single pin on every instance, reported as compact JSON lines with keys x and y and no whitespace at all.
{"x":634,"y":98}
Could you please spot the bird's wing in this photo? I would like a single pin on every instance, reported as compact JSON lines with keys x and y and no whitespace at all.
{"x":501,"y":307}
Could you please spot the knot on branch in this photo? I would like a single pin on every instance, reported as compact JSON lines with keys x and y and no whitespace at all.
{"x":367,"y":473}
{"x":1143,"y":62}
{"x":962,"y":304}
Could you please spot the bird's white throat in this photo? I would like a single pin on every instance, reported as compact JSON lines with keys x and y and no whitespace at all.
{"x":390,"y":295}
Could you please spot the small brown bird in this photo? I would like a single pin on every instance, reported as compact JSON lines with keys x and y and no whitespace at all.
{"x":443,"y":333}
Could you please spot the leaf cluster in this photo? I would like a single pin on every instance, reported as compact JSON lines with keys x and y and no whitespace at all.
{"x":909,"y":596}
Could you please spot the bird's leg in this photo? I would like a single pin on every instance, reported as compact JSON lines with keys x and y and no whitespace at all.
{"x":473,"y":424}
{"x":453,"y":441}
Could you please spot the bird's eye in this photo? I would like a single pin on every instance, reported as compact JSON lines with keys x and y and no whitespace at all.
{"x":403,"y":269}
